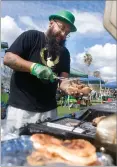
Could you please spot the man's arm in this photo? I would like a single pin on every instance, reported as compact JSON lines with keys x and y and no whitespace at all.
{"x":19,"y":64}
{"x":16,"y":62}
{"x":14,"y":57}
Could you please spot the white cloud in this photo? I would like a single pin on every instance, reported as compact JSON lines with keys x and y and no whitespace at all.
{"x":103,"y":55}
{"x":88,"y":22}
{"x":104,"y":60}
{"x":30,"y":23}
{"x":9,"y":29}
{"x":109,"y":73}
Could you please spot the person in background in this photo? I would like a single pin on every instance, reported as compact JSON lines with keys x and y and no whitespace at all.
{"x":37,"y":59}
{"x":93,"y":94}
{"x":4,"y":102}
{"x":115,"y":94}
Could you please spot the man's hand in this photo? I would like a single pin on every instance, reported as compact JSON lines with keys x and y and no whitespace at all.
{"x":75,"y":89}
{"x":42,"y":72}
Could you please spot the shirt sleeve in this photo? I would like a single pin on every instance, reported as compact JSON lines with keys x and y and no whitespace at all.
{"x":65,"y":61}
{"x":23,"y":44}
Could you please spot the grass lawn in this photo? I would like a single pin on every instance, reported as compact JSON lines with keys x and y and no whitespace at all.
{"x":65,"y":110}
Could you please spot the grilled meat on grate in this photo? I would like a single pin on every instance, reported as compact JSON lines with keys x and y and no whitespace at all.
{"x":97,"y":120}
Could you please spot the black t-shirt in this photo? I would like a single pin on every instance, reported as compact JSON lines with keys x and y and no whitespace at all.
{"x":27,"y":91}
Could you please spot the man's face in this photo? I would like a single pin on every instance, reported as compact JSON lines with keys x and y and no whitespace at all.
{"x":57,"y":35}
{"x":58,"y":29}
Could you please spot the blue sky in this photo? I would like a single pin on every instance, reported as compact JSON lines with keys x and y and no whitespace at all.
{"x":19,"y":16}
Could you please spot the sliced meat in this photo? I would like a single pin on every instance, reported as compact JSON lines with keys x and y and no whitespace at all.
{"x":77,"y":151}
{"x":84,"y":90}
{"x":97,"y":120}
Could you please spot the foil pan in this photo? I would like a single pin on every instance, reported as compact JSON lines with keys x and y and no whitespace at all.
{"x":15,"y":151}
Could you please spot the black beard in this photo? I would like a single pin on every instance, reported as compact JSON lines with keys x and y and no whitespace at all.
{"x":53,"y":46}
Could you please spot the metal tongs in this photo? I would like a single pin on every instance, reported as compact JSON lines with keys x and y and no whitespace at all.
{"x":60,"y":78}
{"x":64,"y":78}
{"x":81,"y":121}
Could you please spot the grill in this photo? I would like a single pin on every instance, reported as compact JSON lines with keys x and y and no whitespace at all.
{"x":75,"y":125}
{"x":61,"y":133}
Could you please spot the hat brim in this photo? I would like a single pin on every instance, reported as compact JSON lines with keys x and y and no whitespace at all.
{"x":73,"y":28}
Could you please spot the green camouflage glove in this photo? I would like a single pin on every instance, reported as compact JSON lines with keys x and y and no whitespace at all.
{"x":42,"y":72}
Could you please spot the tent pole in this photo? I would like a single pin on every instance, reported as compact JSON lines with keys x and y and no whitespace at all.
{"x":100,"y":91}
{"x":68,"y":102}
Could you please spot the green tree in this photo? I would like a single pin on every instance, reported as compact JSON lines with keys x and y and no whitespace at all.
{"x":88,"y":60}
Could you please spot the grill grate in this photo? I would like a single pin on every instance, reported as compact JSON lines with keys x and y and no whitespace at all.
{"x":65,"y":121}
{"x":89,"y":128}
{"x":91,"y":114}
{"x":81,"y":125}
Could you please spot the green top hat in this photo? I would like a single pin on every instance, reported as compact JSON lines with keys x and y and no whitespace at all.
{"x":65,"y":16}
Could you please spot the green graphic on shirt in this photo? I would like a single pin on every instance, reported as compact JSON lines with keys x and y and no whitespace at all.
{"x":49,"y":61}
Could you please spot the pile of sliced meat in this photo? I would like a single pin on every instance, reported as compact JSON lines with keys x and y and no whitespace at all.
{"x":52,"y":150}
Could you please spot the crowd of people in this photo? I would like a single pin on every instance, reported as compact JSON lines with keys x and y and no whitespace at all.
{"x":74,"y":102}
{"x":106,"y":93}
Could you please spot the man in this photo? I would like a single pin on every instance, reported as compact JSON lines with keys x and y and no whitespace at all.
{"x":37,"y":59}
